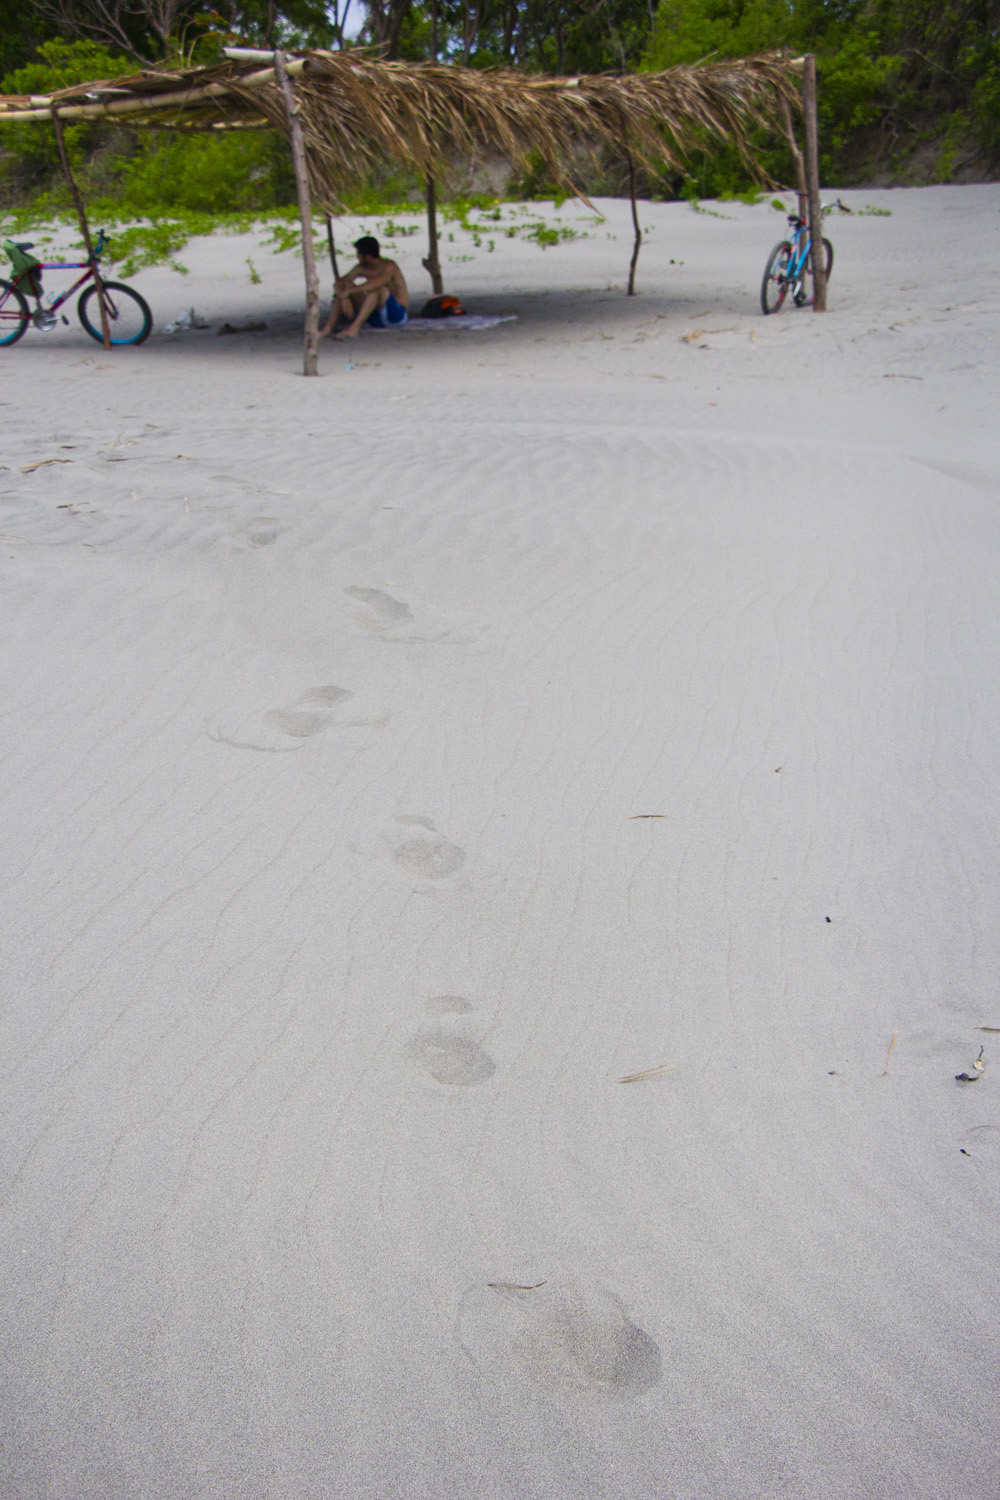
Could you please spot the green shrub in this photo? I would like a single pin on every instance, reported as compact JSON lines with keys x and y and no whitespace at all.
{"x":986,"y":110}
{"x":232,"y":172}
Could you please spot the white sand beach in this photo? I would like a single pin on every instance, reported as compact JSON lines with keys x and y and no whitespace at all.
{"x":393,"y":762}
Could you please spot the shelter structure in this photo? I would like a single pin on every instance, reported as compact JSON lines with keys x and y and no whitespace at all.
{"x":346,"y":114}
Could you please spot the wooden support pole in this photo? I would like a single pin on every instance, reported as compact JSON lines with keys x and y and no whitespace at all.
{"x":635,"y":224}
{"x":432,"y":262}
{"x":85,"y":227}
{"x":310,"y":363}
{"x":798,"y":165}
{"x":333,"y":249}
{"x":812,"y":183}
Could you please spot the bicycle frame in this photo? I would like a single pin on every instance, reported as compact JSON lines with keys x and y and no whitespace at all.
{"x":61,"y":265}
{"x":802,"y":244}
{"x":88,"y":267}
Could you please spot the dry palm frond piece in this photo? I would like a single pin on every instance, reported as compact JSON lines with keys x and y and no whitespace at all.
{"x":658,"y":1072}
{"x":895,"y":1034}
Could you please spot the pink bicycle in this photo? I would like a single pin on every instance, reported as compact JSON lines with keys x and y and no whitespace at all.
{"x":129,"y":318}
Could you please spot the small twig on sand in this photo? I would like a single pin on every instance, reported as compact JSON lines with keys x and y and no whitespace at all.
{"x":632,"y":817}
{"x":885,"y":1071}
{"x":656,"y":1072}
{"x":514,"y":1286}
{"x":986,"y":1028}
{"x":41,"y":463}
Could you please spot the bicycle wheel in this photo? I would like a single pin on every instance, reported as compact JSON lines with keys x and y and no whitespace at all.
{"x":14,"y":314}
{"x":801,"y":292}
{"x":774,"y":287}
{"x":129,"y":318}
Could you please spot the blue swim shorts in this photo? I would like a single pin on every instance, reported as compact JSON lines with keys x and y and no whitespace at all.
{"x":391,"y":314}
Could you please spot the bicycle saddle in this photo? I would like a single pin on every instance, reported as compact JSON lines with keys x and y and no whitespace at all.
{"x":23,"y":244}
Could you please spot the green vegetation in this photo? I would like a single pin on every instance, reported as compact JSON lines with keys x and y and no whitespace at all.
{"x":895,"y":77}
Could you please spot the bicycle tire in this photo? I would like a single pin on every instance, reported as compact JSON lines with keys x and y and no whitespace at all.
{"x":14,"y":314}
{"x":124,"y":307}
{"x":801,"y":293}
{"x":774,"y":287}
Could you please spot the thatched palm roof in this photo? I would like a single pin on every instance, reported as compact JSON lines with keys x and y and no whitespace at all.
{"x":358,"y":112}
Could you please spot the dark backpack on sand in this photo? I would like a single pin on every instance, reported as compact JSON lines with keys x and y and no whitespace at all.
{"x":442,"y":307}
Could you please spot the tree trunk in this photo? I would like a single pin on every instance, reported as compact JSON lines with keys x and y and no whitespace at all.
{"x":397,"y":16}
{"x":310,"y":363}
{"x":470,"y":29}
{"x":509,"y":22}
{"x":812,"y":183}
{"x":84,"y":226}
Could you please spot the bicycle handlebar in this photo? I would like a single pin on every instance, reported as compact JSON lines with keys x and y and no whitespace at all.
{"x":825,"y":208}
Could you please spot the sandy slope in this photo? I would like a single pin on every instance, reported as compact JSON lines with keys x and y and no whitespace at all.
{"x":330,"y":925}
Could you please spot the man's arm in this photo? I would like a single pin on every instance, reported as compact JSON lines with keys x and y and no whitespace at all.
{"x":345,"y":282}
{"x":374,"y":281}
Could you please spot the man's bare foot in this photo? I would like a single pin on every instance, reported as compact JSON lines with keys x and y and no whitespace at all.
{"x":347,"y":333}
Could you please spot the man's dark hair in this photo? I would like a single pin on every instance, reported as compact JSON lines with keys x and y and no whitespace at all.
{"x":367,"y":245}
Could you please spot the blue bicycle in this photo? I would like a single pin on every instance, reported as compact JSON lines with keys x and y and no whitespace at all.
{"x":789,"y":263}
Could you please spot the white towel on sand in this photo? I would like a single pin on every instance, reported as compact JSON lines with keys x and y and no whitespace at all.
{"x":465,"y":320}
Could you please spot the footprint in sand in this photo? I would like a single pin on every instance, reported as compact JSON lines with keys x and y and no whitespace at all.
{"x":264,"y":531}
{"x":394,"y":620}
{"x":315,"y":711}
{"x":569,"y":1335}
{"x":422,"y":851}
{"x":309,"y":714}
{"x":449,"y":1059}
{"x":447,"y":1005}
{"x":444,"y":1055}
{"x":382,"y":610}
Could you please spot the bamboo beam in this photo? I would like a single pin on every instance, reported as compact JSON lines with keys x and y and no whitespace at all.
{"x":82,"y":215}
{"x":812,"y":183}
{"x":178,"y":100}
{"x":248,"y":54}
{"x":432,"y":263}
{"x":310,"y":362}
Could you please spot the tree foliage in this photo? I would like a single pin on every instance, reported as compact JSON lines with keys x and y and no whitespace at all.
{"x":891,"y":72}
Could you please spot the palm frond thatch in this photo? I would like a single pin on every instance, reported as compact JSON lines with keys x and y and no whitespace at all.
{"x":358,"y":113}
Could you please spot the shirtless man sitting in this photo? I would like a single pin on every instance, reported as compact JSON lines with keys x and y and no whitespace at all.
{"x":373,"y":290}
